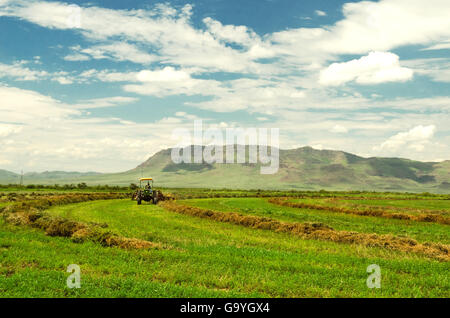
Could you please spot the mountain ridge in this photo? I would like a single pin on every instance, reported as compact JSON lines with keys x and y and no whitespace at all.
{"x":302,"y":168}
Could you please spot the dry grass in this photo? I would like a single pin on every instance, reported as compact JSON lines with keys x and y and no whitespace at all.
{"x":317,"y":231}
{"x":365,"y":211}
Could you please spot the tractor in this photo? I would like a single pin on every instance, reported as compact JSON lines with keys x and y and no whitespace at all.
{"x":146,"y":192}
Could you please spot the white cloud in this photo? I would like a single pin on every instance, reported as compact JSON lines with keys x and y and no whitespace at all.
{"x":445,"y":45}
{"x":255,"y":95}
{"x":25,"y":107}
{"x":164,"y":29}
{"x":167,"y":35}
{"x":438,"y":69}
{"x":108,"y":76}
{"x":339,"y":129}
{"x":167,"y":74}
{"x":63,"y":80}
{"x":320,"y":13}
{"x":439,"y":104}
{"x":8,"y":130}
{"x":387,"y":24}
{"x":18,"y":71}
{"x":286,"y":88}
{"x":63,"y":139}
{"x":105,"y":102}
{"x":76,"y":57}
{"x":415,"y":139}
{"x":230,"y":33}
{"x":169,"y":81}
{"x":367,"y":26}
{"x":377,"y":67}
{"x":118,"y":51}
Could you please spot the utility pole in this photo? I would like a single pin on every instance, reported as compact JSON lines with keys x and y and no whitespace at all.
{"x":21,"y":178}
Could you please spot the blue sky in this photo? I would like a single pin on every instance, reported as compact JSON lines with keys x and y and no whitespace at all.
{"x":101,"y":85}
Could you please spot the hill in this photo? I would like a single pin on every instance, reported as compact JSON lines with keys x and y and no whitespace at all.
{"x":47,"y":177}
{"x":299,"y":169}
{"x":7,"y":177}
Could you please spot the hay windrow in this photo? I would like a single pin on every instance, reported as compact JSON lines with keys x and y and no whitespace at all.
{"x":364,"y":211}
{"x":317,"y":231}
{"x":31,"y":213}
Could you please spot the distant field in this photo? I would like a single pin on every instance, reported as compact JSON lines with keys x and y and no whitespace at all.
{"x":200,"y":257}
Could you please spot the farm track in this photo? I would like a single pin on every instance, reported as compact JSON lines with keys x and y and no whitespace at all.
{"x":317,"y":231}
{"x":32,"y":213}
{"x":364,"y":210}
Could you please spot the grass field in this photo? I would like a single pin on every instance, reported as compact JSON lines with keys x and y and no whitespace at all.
{"x":198,"y":257}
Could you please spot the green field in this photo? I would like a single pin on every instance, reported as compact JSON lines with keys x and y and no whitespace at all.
{"x":198,"y":257}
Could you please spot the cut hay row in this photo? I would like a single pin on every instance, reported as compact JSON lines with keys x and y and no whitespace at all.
{"x":362,"y":210}
{"x":389,"y":208}
{"x":62,"y":199}
{"x":272,"y":194}
{"x":317,"y":231}
{"x":31,"y":213}
{"x":27,"y":196}
{"x":185,"y":194}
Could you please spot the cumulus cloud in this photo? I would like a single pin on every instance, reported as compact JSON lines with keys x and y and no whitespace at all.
{"x":387,"y":24}
{"x":168,"y":35}
{"x":416,"y":139}
{"x":163,"y":29}
{"x":367,"y":26}
{"x":230,"y":33}
{"x":375,"y":68}
{"x":295,"y":81}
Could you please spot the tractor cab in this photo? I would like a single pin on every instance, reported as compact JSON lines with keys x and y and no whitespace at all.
{"x":148,"y":188}
{"x":146,"y":191}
